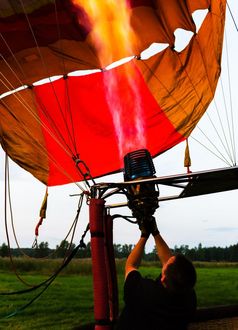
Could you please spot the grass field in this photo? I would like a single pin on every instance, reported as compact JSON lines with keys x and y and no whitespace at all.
{"x":68,"y":302}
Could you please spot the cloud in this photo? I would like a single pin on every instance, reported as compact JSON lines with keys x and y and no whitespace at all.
{"x":222,"y":229}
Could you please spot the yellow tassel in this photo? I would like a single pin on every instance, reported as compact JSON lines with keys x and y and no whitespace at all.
{"x":187,"y":159}
{"x":44,"y":205}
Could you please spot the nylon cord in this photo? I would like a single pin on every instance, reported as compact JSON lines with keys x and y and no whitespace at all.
{"x":212,"y":152}
{"x":232,"y":16}
{"x":47,"y":282}
{"x":53,"y":89}
{"x":6,"y":225}
{"x":39,"y":51}
{"x":41,"y":148}
{"x":55,"y":132}
{"x":68,"y":106}
{"x":177,"y":102}
{"x":232,"y":133}
{"x":25,"y":105}
{"x":58,"y":27}
{"x":15,"y":59}
{"x":73,"y":226}
{"x":222,"y":156}
{"x":206,"y":113}
{"x":52,"y":85}
{"x":34,"y":38}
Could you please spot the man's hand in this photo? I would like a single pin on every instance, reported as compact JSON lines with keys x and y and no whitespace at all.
{"x":144,"y":228}
{"x":153,"y":227}
{"x":147,"y":227}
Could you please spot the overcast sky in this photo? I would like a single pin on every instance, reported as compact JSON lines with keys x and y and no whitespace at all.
{"x":210,"y":220}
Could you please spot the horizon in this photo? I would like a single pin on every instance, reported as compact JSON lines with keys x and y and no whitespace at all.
{"x":209,"y":219}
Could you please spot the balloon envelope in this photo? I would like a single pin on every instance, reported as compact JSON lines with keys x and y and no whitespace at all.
{"x":99,"y":116}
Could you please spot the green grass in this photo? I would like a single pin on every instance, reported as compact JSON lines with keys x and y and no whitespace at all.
{"x":217,"y":286}
{"x":68,"y":302}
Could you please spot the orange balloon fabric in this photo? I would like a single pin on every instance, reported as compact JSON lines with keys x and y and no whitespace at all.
{"x":99,"y":116}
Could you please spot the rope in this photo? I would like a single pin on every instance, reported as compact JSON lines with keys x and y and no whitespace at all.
{"x":233,"y":19}
{"x":47,"y":283}
{"x":231,"y":130}
{"x":72,"y":228}
{"x":6,"y":225}
{"x":226,"y":148}
{"x":231,"y":104}
{"x":70,"y":114}
{"x":64,"y":259}
{"x":40,"y":146}
{"x":183,"y":109}
{"x":81,"y":243}
{"x":74,"y":225}
{"x":22,"y":101}
{"x":34,"y":37}
{"x":13,"y":72}
{"x":206,"y":113}
{"x":222,"y":157}
{"x":71,"y":137}
{"x":52,"y":85}
{"x":220,"y":121}
{"x":56,"y":131}
{"x":68,"y":103}
{"x":15,"y":59}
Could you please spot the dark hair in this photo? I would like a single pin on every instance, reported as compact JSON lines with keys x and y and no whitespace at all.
{"x":180,"y":275}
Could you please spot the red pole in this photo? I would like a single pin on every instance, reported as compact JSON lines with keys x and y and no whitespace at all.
{"x":111,"y":269}
{"x":100,"y":285}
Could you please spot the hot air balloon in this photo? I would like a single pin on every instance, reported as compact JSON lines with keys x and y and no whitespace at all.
{"x":153,"y":103}
{"x":82,"y":86}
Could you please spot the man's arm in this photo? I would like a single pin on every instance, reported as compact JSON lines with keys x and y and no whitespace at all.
{"x":134,"y":259}
{"x":162,"y":248}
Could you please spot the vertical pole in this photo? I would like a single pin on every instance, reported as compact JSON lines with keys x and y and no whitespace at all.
{"x":111,"y":269}
{"x":100,"y":285}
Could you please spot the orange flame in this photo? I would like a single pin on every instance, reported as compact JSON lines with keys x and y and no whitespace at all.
{"x":111,"y":34}
{"x":113,"y":39}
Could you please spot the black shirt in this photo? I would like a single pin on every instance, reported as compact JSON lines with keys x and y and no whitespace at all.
{"x":150,"y":306}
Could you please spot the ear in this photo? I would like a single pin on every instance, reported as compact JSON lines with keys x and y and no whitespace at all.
{"x":163,"y":280}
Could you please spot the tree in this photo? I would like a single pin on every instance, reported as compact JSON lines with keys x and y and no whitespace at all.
{"x":4,"y":251}
{"x":84,"y":252}
{"x":64,"y":248}
{"x":42,"y":250}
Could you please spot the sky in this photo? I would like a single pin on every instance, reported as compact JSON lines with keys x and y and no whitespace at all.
{"x":210,"y":219}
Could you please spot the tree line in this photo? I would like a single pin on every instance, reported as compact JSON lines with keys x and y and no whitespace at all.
{"x":199,"y":253}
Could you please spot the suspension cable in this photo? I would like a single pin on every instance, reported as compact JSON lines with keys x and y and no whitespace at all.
{"x":184,"y":110}
{"x":47,"y":283}
{"x":52,"y":86}
{"x":206,"y":113}
{"x":232,"y":16}
{"x":65,"y":262}
{"x":6,"y":226}
{"x":222,"y":157}
{"x":232,"y":135}
{"x":34,"y":38}
{"x":41,"y":147}
{"x":72,"y":228}
{"x":71,"y":137}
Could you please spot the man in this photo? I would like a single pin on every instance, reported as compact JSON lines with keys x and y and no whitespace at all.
{"x":166,"y":303}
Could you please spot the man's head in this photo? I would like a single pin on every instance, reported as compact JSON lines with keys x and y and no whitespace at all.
{"x":178,"y":274}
